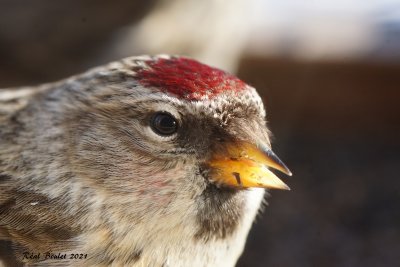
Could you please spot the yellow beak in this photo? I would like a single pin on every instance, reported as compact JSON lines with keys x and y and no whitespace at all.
{"x":245,"y":165}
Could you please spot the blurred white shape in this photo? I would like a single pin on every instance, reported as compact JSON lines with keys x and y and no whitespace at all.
{"x":213,"y":31}
{"x":218,"y":32}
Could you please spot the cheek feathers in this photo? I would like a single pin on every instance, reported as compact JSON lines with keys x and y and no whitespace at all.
{"x":187,"y":78}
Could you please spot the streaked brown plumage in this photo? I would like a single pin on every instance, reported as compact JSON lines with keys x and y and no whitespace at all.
{"x":128,"y":166}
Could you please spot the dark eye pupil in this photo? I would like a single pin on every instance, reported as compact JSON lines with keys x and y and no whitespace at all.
{"x":164,"y":123}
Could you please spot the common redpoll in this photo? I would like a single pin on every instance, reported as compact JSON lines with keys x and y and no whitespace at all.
{"x":148,"y":161}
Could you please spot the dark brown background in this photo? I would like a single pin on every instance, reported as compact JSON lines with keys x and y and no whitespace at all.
{"x":336,"y":124}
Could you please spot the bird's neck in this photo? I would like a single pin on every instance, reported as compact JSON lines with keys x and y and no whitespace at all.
{"x":170,"y":240}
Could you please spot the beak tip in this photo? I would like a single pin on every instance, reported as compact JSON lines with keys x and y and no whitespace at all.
{"x":286,"y":170}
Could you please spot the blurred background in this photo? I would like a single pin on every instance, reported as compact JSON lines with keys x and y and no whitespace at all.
{"x":329,"y":74}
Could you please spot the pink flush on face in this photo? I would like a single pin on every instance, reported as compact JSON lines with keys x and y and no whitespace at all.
{"x":187,"y":78}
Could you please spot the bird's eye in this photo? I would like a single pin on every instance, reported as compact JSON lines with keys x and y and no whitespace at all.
{"x":163,"y":124}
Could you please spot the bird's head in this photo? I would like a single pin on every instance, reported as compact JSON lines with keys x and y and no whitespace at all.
{"x":169,"y":134}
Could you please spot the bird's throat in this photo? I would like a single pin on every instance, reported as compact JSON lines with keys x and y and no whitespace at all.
{"x":220,"y":211}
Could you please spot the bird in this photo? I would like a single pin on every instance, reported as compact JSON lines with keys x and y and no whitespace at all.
{"x":146,"y":161}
